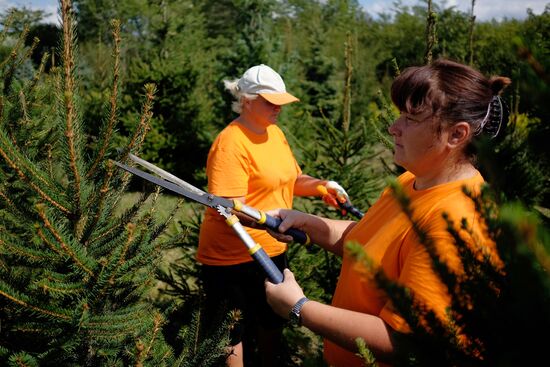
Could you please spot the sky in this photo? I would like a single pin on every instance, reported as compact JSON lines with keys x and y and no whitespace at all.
{"x":483,"y":10}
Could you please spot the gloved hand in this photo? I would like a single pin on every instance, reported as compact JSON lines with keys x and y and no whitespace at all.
{"x":333,"y":193}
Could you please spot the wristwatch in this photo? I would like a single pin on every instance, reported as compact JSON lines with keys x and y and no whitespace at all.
{"x":294,"y":313}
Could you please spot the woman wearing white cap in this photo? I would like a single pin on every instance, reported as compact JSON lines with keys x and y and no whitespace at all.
{"x":250,"y":160}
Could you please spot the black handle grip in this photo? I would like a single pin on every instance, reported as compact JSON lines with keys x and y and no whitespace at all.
{"x":274,"y":223}
{"x":351,"y":209}
{"x":271,"y":270}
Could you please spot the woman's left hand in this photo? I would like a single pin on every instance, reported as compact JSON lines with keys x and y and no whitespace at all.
{"x":283,"y":296}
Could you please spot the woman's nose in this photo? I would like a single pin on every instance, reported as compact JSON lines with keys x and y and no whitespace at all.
{"x":393,"y":129}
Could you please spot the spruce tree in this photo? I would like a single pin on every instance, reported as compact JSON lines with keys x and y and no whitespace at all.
{"x":77,"y":266}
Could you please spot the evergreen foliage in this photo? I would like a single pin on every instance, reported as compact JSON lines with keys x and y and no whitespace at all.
{"x":491,"y":303}
{"x":524,"y":176}
{"x":76,"y":269}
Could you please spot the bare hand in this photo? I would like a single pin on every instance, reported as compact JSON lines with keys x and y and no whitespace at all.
{"x":281,"y":297}
{"x":289,"y":219}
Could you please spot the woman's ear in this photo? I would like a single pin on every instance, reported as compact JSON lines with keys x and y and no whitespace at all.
{"x":459,"y":133}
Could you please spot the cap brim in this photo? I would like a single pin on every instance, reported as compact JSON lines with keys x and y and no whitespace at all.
{"x":279,"y":99}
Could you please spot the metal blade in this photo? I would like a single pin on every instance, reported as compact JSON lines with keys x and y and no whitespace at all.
{"x":203,"y":197}
{"x":166,"y":175}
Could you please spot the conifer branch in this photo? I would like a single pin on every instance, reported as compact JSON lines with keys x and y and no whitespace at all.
{"x":98,"y":204}
{"x":116,"y":258}
{"x":346,"y":118}
{"x":14,"y":213}
{"x":161,"y":228}
{"x":384,"y":118}
{"x":24,"y":111}
{"x":42,"y":236}
{"x":121,"y":319}
{"x":14,"y":63}
{"x":7,"y":199}
{"x":20,"y":162}
{"x":471,"y":34}
{"x":49,"y":159}
{"x":395,"y":67}
{"x":157,"y":325}
{"x":381,"y":137}
{"x":108,"y":130}
{"x":22,"y":251}
{"x":6,"y":26}
{"x":69,"y":103}
{"x":39,"y":191}
{"x":37,"y":75}
{"x":41,"y":208}
{"x":35,"y":42}
{"x":71,"y":290}
{"x":34,"y":308}
{"x":431,"y":36}
{"x":121,"y":222}
{"x":12,"y":60}
{"x":143,"y":126}
{"x":365,"y":353}
{"x":122,"y":256}
{"x":139,"y":355}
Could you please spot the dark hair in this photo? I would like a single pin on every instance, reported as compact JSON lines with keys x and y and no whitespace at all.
{"x":453,"y":92}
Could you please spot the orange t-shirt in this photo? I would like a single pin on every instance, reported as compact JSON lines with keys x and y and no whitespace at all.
{"x":390,"y":241}
{"x":260,"y":167}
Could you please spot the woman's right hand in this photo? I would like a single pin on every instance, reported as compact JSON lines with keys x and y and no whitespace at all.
{"x":289,"y":219}
{"x":323,"y":232}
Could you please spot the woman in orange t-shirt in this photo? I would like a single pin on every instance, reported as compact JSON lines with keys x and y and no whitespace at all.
{"x":444,"y":106}
{"x":250,"y":160}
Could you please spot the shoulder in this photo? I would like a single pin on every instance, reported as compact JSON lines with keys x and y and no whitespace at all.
{"x":451,"y":200}
{"x":406,"y":179}
{"x":230,"y":132}
{"x":275,"y":130}
{"x":231,"y":137}
{"x":459,"y":192}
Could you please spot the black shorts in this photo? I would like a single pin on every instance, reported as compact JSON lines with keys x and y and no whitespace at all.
{"x":241,"y":287}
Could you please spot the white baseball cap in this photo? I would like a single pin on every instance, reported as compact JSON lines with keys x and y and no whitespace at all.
{"x":266,"y":82}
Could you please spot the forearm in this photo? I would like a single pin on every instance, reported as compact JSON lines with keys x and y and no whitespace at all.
{"x":307,"y":186}
{"x":342,"y":327}
{"x":327,"y":233}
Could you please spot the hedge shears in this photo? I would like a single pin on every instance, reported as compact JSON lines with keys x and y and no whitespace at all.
{"x":344,"y":205}
{"x":224,"y":207}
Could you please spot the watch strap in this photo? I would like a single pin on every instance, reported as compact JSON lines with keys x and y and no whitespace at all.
{"x":295,"y":311}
